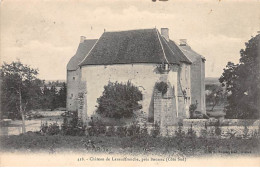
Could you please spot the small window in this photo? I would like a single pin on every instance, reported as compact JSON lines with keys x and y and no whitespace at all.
{"x":74,"y":78}
{"x":71,"y":95}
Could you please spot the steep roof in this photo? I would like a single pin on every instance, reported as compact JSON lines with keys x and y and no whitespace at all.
{"x":81,"y":53}
{"x":134,"y":46}
{"x":191,"y":54}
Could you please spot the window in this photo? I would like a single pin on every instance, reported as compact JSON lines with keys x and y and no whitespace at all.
{"x":74,"y":78}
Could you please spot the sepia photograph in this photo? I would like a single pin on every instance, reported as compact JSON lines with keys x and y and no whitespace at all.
{"x":129,"y":83}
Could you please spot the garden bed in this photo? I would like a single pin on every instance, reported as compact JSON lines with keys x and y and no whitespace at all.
{"x":35,"y":142}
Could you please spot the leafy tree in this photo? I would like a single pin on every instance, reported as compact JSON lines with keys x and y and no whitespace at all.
{"x":242,"y":82}
{"x":216,"y":96}
{"x":20,"y":90}
{"x":62,"y":95}
{"x":119,"y":100}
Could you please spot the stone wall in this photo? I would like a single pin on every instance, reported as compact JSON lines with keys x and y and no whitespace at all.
{"x":228,"y":127}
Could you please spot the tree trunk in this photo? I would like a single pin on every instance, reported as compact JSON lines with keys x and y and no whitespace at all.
{"x":21,"y":112}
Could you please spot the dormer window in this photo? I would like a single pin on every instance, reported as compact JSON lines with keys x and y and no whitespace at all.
{"x":165,"y":66}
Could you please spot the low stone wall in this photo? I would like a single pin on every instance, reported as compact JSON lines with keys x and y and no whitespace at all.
{"x":210,"y":128}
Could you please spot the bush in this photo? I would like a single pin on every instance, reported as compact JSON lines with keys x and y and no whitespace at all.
{"x":191,"y":133}
{"x":204,"y":132}
{"x":156,"y":130}
{"x":44,"y":127}
{"x":74,"y":127}
{"x":144,"y":131}
{"x":133,"y":129}
{"x":217,"y":128}
{"x":121,"y":131}
{"x":110,"y":131}
{"x":97,"y":127}
{"x":192,"y":109}
{"x":245,"y":132}
{"x":180,"y":133}
{"x":52,"y":129}
{"x":119,"y":100}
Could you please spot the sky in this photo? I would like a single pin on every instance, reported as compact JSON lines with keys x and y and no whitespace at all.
{"x":45,"y":33}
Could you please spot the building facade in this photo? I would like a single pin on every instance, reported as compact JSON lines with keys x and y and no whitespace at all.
{"x":144,"y":57}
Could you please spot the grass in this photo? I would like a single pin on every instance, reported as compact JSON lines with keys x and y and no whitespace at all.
{"x":33,"y":142}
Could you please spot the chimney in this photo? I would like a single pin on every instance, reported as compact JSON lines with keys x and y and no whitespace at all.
{"x":183,"y":42}
{"x":82,"y":39}
{"x":165,"y":33}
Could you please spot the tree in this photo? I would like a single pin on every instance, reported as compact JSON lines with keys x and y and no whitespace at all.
{"x":20,"y":90}
{"x":119,"y":100}
{"x":216,"y":96}
{"x":62,"y":95}
{"x":242,"y":82}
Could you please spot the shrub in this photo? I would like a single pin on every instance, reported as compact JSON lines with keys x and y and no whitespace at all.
{"x":204,"y":132}
{"x":191,"y":133}
{"x":74,"y":127}
{"x":217,"y":128}
{"x":155,"y":130}
{"x":119,"y":100}
{"x":161,"y":87}
{"x":180,"y":133}
{"x":53,"y":129}
{"x":144,"y":131}
{"x":110,"y":131}
{"x":97,"y":127}
{"x":150,"y":119}
{"x":121,"y":131}
{"x":133,"y":129}
{"x":192,"y":109}
{"x":245,"y":132}
{"x":44,"y":127}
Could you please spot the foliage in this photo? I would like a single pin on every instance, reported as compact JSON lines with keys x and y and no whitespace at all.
{"x":35,"y":142}
{"x":51,"y":98}
{"x":217,"y":96}
{"x":217,"y":128}
{"x":191,"y":133}
{"x":121,"y":131}
{"x":97,"y":127}
{"x":180,"y":133}
{"x":144,"y":131}
{"x":20,"y":89}
{"x":74,"y":127}
{"x":161,"y":87}
{"x":245,"y":132}
{"x":242,"y":83}
{"x":111,"y":131}
{"x":20,"y":81}
{"x":204,"y":132}
{"x":155,"y":130}
{"x":51,"y":129}
{"x":133,"y":129}
{"x":192,"y":109}
{"x":119,"y":100}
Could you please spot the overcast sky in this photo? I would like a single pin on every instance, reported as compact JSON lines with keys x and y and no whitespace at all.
{"x":45,"y":34}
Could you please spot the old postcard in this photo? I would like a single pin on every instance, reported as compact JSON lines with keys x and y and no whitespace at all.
{"x":130,"y":83}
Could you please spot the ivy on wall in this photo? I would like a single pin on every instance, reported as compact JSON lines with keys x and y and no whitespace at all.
{"x":161,"y":87}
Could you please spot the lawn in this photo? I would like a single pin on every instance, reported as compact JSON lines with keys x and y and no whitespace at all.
{"x":35,"y":142}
